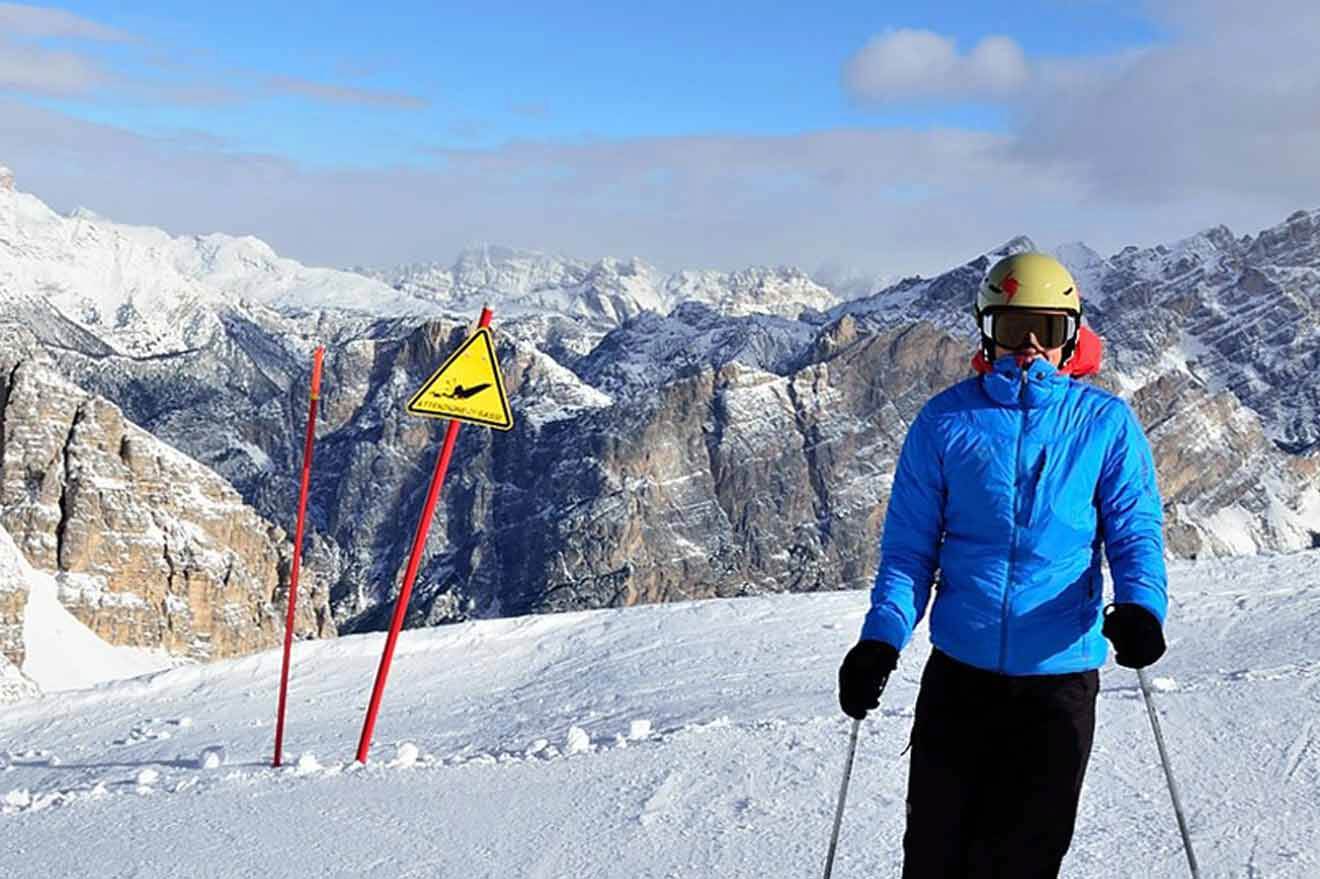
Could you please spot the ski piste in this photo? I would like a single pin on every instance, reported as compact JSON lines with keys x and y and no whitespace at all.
{"x":699,"y":739}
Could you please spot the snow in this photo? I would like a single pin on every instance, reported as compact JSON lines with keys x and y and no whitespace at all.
{"x":578,"y":741}
{"x":1233,"y":527}
{"x":519,"y":283}
{"x":147,"y":293}
{"x":1087,"y":267}
{"x":307,"y":764}
{"x":551,"y":392}
{"x":736,"y":776}
{"x":212,"y":757}
{"x":405,"y":756}
{"x":62,"y":653}
{"x":14,"y":687}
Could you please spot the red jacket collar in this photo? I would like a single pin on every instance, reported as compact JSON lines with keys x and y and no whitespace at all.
{"x":1085,"y":360}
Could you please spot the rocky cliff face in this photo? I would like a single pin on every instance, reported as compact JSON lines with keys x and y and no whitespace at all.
{"x":1242,"y":314}
{"x":1227,"y":488}
{"x":14,"y":590}
{"x":150,"y":548}
{"x":14,"y":687}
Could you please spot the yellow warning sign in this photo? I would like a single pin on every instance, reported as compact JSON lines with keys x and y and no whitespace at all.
{"x":468,"y":387}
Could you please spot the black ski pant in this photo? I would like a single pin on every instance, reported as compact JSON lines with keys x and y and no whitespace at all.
{"x":996,"y":772}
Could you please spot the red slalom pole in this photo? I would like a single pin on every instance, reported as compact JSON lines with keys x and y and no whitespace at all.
{"x":414,"y":562}
{"x":297,"y":550}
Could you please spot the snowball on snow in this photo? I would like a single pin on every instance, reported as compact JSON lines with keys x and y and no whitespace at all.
{"x":405,"y":755}
{"x":639,"y":729}
{"x":307,"y":763}
{"x":211,"y":758}
{"x":578,"y":741}
{"x":1164,"y":685}
{"x":147,"y":777}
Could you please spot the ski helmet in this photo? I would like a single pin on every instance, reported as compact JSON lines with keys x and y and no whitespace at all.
{"x":1028,"y":281}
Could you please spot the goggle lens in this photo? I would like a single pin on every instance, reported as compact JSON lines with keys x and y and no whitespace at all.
{"x":1011,"y":328}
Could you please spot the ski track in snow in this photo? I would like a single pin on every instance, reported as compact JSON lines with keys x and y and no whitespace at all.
{"x":688,"y":740}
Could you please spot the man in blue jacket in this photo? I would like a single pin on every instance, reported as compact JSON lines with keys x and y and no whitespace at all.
{"x":1007,"y":488}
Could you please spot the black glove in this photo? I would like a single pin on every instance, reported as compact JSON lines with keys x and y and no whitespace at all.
{"x":1135,"y":633}
{"x":863,"y":675}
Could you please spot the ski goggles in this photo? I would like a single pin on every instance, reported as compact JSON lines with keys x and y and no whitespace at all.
{"x":1013,"y":327}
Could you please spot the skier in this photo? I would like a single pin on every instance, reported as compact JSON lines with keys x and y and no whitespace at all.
{"x":1007,"y":486}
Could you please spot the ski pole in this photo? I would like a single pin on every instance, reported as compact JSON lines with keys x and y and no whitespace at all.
{"x":1168,"y":772}
{"x":843,"y":795}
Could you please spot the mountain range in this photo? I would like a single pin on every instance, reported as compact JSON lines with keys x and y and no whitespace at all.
{"x":677,"y":435}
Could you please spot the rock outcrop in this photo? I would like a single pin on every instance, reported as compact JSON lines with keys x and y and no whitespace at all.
{"x":149,"y":548}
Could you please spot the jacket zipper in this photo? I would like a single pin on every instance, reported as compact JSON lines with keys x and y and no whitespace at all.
{"x":1012,"y":545}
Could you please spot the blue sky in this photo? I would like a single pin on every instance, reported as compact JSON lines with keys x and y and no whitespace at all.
{"x":886,"y":137}
{"x":486,"y":74}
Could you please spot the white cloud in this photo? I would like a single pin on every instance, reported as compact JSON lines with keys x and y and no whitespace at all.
{"x":37,"y":22}
{"x":1228,"y":109}
{"x":36,"y":70}
{"x":338,"y":94}
{"x":886,"y":201}
{"x":1219,"y":124}
{"x":29,"y":66}
{"x":1220,"y":120}
{"x":907,"y":64}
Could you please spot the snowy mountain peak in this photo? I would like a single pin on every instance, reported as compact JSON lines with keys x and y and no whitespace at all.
{"x":1294,"y":243}
{"x":1017,"y":244}
{"x":605,"y":292}
{"x":1220,"y":237}
{"x":146,"y":293}
{"x":1088,"y":269}
{"x":1077,"y":253}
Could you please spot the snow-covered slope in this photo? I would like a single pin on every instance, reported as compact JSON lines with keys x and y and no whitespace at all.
{"x":63,"y":654}
{"x":60,"y":652}
{"x":692,"y":740}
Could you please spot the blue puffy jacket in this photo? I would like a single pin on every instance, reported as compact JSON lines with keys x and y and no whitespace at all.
{"x":1008,"y":485}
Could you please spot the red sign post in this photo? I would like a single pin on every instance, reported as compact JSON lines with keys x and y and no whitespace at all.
{"x":297,"y":551}
{"x":410,"y":574}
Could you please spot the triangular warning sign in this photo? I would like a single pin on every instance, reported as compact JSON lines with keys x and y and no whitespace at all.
{"x":468,"y":387}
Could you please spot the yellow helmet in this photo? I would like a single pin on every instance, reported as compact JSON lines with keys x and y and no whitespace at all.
{"x":1028,"y":281}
